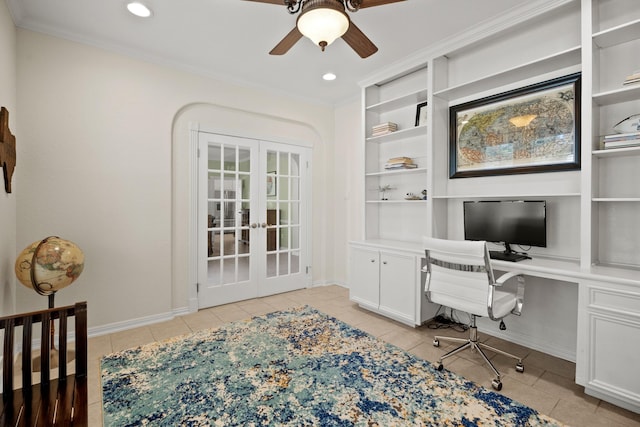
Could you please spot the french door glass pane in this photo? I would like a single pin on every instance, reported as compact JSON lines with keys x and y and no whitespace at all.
{"x":272,"y":265}
{"x":295,"y":237}
{"x":229,"y":186}
{"x":295,"y":262}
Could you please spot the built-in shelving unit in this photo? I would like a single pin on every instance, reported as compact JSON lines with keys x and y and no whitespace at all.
{"x":398,"y":172}
{"x":593,"y":238}
{"x":520,"y":72}
{"x":412,"y":98}
{"x":395,"y":99}
{"x":506,"y":196}
{"x":400,"y":134}
{"x":626,"y":32}
{"x":611,"y":198}
{"x":617,"y":152}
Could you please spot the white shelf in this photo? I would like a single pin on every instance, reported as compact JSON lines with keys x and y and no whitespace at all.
{"x":623,"y":94}
{"x":399,"y":134}
{"x":413,"y":98}
{"x":618,"y":35}
{"x":395,"y":202}
{"x":554,"y":62}
{"x":616,"y":199}
{"x":398,"y":172}
{"x":617,"y":152}
{"x":505,"y":196}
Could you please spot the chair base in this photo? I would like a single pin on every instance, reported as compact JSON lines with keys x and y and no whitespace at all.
{"x":473,"y":344}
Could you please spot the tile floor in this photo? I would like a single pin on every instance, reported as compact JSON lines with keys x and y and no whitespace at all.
{"x":547,"y":384}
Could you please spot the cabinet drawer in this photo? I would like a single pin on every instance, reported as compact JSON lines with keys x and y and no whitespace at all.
{"x":615,"y":300}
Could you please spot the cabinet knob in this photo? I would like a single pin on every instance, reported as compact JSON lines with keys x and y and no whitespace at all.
{"x":384,"y":262}
{"x":254,"y":225}
{"x":373,"y":260}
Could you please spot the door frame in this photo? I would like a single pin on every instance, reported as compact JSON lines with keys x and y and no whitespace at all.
{"x":192,"y":239}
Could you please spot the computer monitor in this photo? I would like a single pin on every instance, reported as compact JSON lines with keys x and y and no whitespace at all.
{"x":512,"y":222}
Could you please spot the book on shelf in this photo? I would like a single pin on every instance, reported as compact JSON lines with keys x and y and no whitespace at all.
{"x":622,"y":144}
{"x":624,"y":135}
{"x":400,"y":163}
{"x":632,"y":78}
{"x":394,"y":160}
{"x":395,"y":166}
{"x":619,"y":140}
{"x":383,"y":128}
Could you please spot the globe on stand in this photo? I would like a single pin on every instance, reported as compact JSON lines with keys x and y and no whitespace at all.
{"x":47,"y":266}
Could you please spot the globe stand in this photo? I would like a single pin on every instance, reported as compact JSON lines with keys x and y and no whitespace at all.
{"x":46,"y":266}
{"x":44,"y":289}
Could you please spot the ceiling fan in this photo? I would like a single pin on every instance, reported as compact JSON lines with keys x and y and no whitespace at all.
{"x":323,"y":21}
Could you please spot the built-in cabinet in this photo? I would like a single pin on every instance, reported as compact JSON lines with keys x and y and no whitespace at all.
{"x":612,"y":328}
{"x":593,"y":238}
{"x":385,"y":279}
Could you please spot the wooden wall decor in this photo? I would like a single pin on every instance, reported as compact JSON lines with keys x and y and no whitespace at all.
{"x":7,"y":149}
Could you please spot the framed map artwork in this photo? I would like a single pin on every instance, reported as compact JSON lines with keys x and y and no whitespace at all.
{"x":532,"y":129}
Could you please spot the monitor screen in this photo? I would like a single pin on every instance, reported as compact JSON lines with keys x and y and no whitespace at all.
{"x":518,"y":222}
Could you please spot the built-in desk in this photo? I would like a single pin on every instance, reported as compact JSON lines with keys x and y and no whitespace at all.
{"x":547,"y":268}
{"x":588,"y":315}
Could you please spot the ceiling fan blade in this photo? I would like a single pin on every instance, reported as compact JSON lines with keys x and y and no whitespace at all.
{"x":278,"y":2}
{"x":359,"y":42}
{"x":372,"y":3}
{"x":287,"y":42}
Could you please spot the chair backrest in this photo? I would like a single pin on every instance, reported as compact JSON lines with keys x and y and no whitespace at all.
{"x":9,"y":324}
{"x":459,"y":275}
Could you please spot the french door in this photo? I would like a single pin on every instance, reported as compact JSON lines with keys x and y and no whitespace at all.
{"x":252,"y":218}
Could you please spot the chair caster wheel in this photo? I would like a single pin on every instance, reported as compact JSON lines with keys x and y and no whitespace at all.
{"x":440,"y":367}
{"x":496,"y":384}
{"x":520,"y":368}
{"x":436,"y":343}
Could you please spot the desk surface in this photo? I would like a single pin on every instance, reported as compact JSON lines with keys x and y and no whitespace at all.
{"x":539,"y":266}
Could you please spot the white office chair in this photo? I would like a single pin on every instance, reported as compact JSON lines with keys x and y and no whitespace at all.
{"x":458,"y":275}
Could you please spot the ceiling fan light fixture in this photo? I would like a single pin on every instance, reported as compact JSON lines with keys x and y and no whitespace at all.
{"x":323,"y":24}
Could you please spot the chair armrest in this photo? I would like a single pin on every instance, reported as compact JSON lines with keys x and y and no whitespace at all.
{"x":506,"y":276}
{"x":517,"y":310}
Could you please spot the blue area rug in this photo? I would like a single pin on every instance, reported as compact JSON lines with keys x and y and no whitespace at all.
{"x":293,"y":368}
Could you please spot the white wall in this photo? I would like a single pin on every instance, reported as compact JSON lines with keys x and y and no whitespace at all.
{"x":96,"y":168}
{"x":348,"y":184}
{"x":8,"y":201}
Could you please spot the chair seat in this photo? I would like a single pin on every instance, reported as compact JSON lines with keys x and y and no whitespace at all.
{"x":503,"y":303}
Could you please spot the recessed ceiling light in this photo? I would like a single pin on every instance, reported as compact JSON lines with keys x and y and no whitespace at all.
{"x":139,"y":9}
{"x":329,"y":76}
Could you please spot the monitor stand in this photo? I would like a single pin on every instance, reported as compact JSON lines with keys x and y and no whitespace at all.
{"x":507,"y":255}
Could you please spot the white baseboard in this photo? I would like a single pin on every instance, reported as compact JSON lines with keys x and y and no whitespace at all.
{"x":136,"y":323}
{"x":192,"y":307}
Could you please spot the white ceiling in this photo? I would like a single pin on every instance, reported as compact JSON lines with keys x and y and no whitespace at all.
{"x":230,"y":39}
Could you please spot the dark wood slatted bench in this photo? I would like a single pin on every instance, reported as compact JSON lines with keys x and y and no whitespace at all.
{"x":52,"y":402}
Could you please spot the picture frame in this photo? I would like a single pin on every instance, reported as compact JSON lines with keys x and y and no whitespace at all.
{"x":421,"y":114}
{"x":272,"y":184}
{"x":527,"y":130}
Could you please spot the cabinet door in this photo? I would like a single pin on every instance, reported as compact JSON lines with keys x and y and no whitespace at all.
{"x":398,"y":274}
{"x":364,"y":288}
{"x":614,"y":353}
{"x":613,"y":314}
